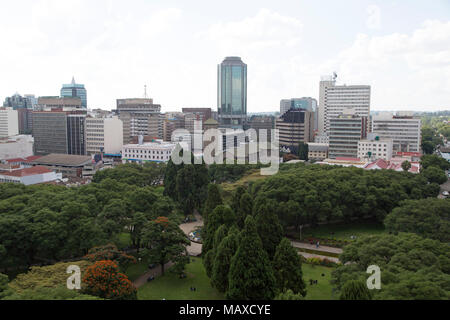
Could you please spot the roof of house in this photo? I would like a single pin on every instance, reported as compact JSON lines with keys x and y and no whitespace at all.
{"x":27,"y":172}
{"x":27,"y":159}
{"x":63,"y":160}
{"x":389,"y":165}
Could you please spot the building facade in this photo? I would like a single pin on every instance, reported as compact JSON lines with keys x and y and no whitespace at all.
{"x":307,"y":103}
{"x":16,"y":147}
{"x":232,"y":93}
{"x":157,"y":151}
{"x":295,"y":126}
{"x":104,"y":135}
{"x":139,"y":117}
{"x":374,"y":148}
{"x":402,"y":128}
{"x":64,"y":103}
{"x":75,"y":90}
{"x":345,"y":133}
{"x":334,"y":100}
{"x":9,"y":122}
{"x":318,"y":151}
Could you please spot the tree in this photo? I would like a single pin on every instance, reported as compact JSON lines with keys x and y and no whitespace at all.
{"x":47,"y":294}
{"x":219,"y":216}
{"x":287,"y":266}
{"x":426,"y":217}
{"x":114,"y":217}
{"x":435,"y":175}
{"x":4,"y":288}
{"x":163,"y":241}
{"x":221,"y":266}
{"x":289,"y":295}
{"x":245,"y":209}
{"x":355,"y":290}
{"x":104,"y":280}
{"x":110,"y":252}
{"x":269,"y":229}
{"x":406,"y":166}
{"x":251,"y":275}
{"x":428,"y":147}
{"x":214,"y":199}
{"x":236,"y":198}
{"x":303,"y":151}
{"x":170,"y":179}
{"x":434,"y":160}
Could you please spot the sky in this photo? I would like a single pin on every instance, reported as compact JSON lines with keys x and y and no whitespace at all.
{"x":401,"y":48}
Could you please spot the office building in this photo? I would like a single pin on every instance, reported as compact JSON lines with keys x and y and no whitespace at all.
{"x":172,"y":122}
{"x":9,"y":122}
{"x":232,"y":93}
{"x":402,"y":128}
{"x":63,"y":103}
{"x":61,"y":132}
{"x":195,"y":114}
{"x":104,"y":135}
{"x":335,"y":99}
{"x":309,"y":104}
{"x":29,"y":176}
{"x":374,"y":148}
{"x":140,"y":117}
{"x":345,"y":133}
{"x":157,"y":151}
{"x":295,"y":126}
{"x":16,"y":147}
{"x":75,"y":90}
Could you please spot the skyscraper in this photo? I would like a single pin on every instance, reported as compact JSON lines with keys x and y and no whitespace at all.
{"x":308,"y":103}
{"x":335,"y":99}
{"x":73,"y":90}
{"x":232,"y":93}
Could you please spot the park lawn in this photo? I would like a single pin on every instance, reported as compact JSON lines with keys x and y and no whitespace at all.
{"x":322,"y":291}
{"x":171,"y":287}
{"x":124,"y":240}
{"x":136,"y":270}
{"x":344,"y":231}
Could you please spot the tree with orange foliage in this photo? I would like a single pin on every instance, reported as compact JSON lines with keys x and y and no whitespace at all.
{"x":164,"y":241}
{"x":110,"y":252}
{"x":104,"y":280}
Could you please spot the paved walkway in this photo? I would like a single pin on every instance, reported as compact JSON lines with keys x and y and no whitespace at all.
{"x":195,"y":249}
{"x":302,"y":245}
{"x":156,"y":272}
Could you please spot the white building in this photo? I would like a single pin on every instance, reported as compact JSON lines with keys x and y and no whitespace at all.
{"x":158,"y":151}
{"x":104,"y":134}
{"x":335,"y":99}
{"x":16,"y":147}
{"x":403,"y":128}
{"x":9,"y":122}
{"x":374,"y":148}
{"x":29,"y":176}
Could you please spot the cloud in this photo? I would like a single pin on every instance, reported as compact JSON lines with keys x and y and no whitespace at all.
{"x":374,"y":17}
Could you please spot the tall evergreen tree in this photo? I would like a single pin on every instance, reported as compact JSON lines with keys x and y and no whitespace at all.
{"x":269,"y":229}
{"x":287,"y":266}
{"x":210,"y":256}
{"x":170,"y":180}
{"x":245,"y":209}
{"x":251,"y":276}
{"x":236,"y":198}
{"x":213,"y":201}
{"x":221,"y":267}
{"x":355,"y":290}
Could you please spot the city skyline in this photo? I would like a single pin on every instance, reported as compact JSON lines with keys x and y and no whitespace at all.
{"x":115,"y":49}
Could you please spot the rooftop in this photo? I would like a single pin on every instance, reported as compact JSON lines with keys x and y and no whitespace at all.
{"x":27,"y":172}
{"x":63,"y":160}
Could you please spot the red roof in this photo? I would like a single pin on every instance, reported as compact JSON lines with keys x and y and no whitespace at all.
{"x":27,"y":172}
{"x":28,"y":159}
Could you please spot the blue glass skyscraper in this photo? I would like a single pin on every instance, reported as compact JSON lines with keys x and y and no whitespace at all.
{"x":232,"y":93}
{"x":75,"y":90}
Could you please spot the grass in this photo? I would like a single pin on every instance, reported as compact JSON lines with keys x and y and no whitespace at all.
{"x":124,"y":240}
{"x":343,"y":231}
{"x":228,"y":188}
{"x":323,"y":290}
{"x":318,"y":252}
{"x":134,"y":271}
{"x":171,"y":287}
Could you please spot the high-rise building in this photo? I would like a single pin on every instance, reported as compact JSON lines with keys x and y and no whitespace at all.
{"x":104,"y":135}
{"x":345,"y":132}
{"x":335,"y":99}
{"x":263,"y":123}
{"x":24,"y":106}
{"x":75,"y":90}
{"x":307,"y":103}
{"x":139,"y":117}
{"x":403,"y":128}
{"x":295,"y":126}
{"x":171,"y":124}
{"x":60,"y":132}
{"x":195,"y":114}
{"x":64,"y":103}
{"x":232,"y":93}
{"x":9,"y":122}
